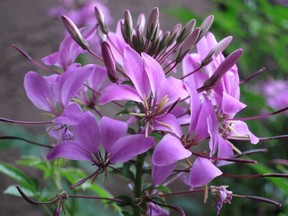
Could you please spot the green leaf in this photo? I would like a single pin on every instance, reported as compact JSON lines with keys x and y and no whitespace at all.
{"x":278,"y":182}
{"x":12,"y":190}
{"x":23,"y":179}
{"x":37,"y":163}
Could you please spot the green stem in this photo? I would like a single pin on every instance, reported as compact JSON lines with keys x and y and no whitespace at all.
{"x":138,"y":182}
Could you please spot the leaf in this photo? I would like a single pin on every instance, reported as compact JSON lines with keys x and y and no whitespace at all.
{"x":37,"y":163}
{"x":278,"y":182}
{"x":23,"y":179}
{"x":12,"y":190}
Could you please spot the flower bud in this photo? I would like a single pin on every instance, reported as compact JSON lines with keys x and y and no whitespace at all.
{"x":152,"y":24}
{"x":174,"y":34}
{"x":226,"y":65}
{"x":74,"y":32}
{"x":205,"y":26}
{"x":187,"y":45}
{"x":101,"y":20}
{"x":109,"y":62}
{"x":141,"y":23}
{"x":128,"y":23}
{"x":187,"y":29}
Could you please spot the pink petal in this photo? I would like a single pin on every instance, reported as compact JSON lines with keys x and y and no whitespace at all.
{"x":168,"y":151}
{"x":38,"y":90}
{"x":202,"y":172}
{"x":128,"y":147}
{"x":69,"y":150}
{"x":72,"y":115}
{"x":134,"y":68}
{"x":240,"y":129}
{"x":87,"y":133}
{"x":111,"y":131}
{"x":154,"y":71}
{"x":119,"y":92}
{"x":167,"y":122}
{"x":231,"y":105}
{"x":160,"y":173}
{"x":71,"y":82}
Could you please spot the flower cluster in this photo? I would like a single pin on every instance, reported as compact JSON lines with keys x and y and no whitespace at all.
{"x":176,"y":95}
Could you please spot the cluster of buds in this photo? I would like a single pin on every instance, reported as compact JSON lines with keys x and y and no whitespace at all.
{"x":166,"y":116}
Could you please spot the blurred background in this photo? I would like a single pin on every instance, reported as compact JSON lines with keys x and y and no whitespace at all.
{"x":260,"y":27}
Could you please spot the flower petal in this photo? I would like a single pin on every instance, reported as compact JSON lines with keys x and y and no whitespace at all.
{"x":72,"y":115}
{"x":168,"y":151}
{"x":240,"y":129}
{"x":134,"y":68}
{"x":160,"y":173}
{"x":231,"y":105}
{"x":72,"y":80}
{"x":119,"y":92}
{"x":202,"y":172}
{"x":128,"y":147}
{"x":38,"y":90}
{"x":154,"y":71}
{"x":69,"y":150}
{"x":111,"y":131}
{"x":167,"y":122}
{"x":87,"y":133}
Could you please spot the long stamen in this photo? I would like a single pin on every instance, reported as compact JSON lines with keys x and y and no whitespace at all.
{"x":23,"y":122}
{"x":26,"y":55}
{"x":259,"y":116}
{"x":24,"y":140}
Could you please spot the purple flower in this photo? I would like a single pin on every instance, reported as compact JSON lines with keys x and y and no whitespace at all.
{"x":165,"y":156}
{"x":202,"y":172}
{"x":224,"y":196}
{"x":69,"y":50}
{"x":110,"y":133}
{"x":81,"y":14}
{"x":275,"y":92}
{"x":151,"y":88}
{"x":54,"y":93}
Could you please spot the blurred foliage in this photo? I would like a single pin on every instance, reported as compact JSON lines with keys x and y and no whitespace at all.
{"x":258,"y":26}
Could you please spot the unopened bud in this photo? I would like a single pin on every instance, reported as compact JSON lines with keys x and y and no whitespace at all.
{"x":101,"y":20}
{"x":141,"y":23}
{"x":124,"y":33}
{"x":222,"y":45}
{"x":74,"y":32}
{"x":205,"y":26}
{"x":152,"y":23}
{"x":128,"y":23}
{"x":187,"y":45}
{"x":186,"y":30}
{"x":109,"y":62}
{"x":226,"y":65}
{"x":174,"y":34}
{"x":164,"y":41}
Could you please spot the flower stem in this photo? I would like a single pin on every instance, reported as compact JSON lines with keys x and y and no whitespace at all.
{"x":138,"y":182}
